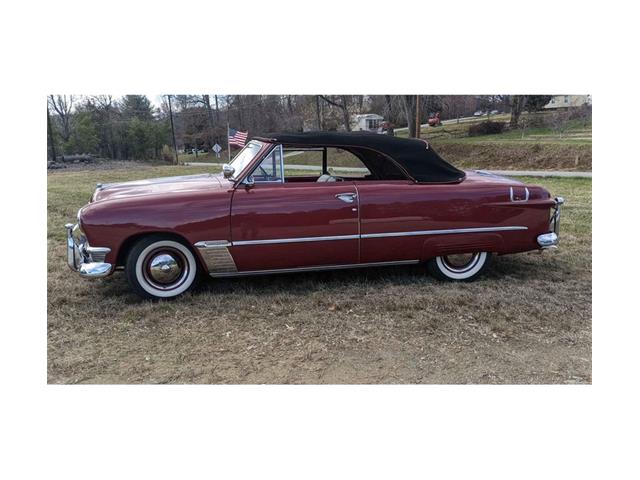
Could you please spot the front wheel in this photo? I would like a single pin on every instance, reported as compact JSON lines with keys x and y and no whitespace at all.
{"x":464,"y":267}
{"x":160,"y":267}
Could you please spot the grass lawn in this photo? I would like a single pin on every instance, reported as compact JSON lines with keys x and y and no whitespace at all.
{"x":576,"y":132}
{"x":540,"y":148}
{"x":527,"y":321}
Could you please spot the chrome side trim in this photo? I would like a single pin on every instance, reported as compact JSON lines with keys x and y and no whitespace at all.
{"x":212,"y":244}
{"x":313,"y":269}
{"x":240,"y":243}
{"x":294,"y":240}
{"x":443,"y":232}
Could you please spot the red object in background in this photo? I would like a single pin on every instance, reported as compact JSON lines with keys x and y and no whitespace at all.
{"x":435,"y":120}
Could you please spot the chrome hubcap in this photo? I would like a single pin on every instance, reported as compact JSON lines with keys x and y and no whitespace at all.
{"x":164,"y":269}
{"x":461,"y":263}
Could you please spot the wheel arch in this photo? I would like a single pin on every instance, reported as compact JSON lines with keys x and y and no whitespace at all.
{"x":130,"y":241}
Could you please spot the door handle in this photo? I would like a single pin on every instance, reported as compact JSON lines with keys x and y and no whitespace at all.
{"x":347,"y":197}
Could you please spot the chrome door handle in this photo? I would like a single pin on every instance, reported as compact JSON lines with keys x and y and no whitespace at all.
{"x":347,"y":197}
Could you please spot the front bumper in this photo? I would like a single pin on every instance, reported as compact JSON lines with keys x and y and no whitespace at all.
{"x":551,"y":239}
{"x":84,"y":259}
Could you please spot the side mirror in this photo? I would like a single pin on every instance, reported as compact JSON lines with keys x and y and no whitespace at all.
{"x":228,"y":170}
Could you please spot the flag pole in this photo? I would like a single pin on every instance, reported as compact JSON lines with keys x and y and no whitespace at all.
{"x":228,"y":143}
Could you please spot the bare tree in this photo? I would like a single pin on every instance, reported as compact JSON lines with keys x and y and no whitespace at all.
{"x":518,"y":103}
{"x":52,"y":145}
{"x":343,"y":105}
{"x":559,"y":121}
{"x":318,"y":112}
{"x":62,"y":104}
{"x":409,"y":103}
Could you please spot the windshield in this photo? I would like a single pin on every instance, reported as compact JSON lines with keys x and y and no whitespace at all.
{"x":245,"y":156}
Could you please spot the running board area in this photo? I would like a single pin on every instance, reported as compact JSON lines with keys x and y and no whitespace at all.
{"x":312,"y":269}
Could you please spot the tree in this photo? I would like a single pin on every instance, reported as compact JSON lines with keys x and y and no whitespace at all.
{"x":137,"y":106}
{"x":62,"y":104}
{"x":530,"y":103}
{"x":84,"y":136}
{"x":536,"y":103}
{"x":51,"y":144}
{"x":105,"y":113}
{"x":139,"y":138}
{"x":488,"y":103}
{"x":341,"y":102}
{"x":518,"y":103}
{"x":409,"y":102}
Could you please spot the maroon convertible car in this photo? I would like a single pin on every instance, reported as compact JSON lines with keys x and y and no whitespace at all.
{"x":312,"y":201}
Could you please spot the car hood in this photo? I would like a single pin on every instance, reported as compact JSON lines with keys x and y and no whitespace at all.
{"x":159,"y":186}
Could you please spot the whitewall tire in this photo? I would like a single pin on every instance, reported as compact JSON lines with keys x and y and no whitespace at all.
{"x":459,"y":267}
{"x":160,"y":267}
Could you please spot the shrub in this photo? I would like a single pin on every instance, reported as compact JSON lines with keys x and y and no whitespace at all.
{"x":537,"y":120}
{"x":486,"y":128}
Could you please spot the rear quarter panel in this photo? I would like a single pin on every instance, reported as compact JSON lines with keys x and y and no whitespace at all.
{"x":409,"y":207}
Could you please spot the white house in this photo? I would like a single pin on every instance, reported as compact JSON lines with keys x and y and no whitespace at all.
{"x":368,"y":122}
{"x":566,"y":101}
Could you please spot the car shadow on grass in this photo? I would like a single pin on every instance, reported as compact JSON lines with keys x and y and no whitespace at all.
{"x":531,"y":267}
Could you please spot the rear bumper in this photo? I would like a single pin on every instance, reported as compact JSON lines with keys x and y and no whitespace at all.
{"x":551,"y":239}
{"x":82,"y":258}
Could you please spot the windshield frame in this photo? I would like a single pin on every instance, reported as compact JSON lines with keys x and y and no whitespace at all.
{"x":241,"y":169}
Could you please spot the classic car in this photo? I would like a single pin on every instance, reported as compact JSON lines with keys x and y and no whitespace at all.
{"x":309,"y":201}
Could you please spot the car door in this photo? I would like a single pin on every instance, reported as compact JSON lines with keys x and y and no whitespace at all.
{"x":279,"y":225}
{"x":389,"y":209}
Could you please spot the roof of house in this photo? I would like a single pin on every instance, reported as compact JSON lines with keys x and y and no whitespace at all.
{"x":368,"y":115}
{"x":414,"y":156}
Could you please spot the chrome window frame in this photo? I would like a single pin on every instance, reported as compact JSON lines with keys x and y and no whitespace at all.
{"x":238,"y":175}
{"x":262,"y":159}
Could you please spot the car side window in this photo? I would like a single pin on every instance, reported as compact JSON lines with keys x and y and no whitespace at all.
{"x":303,"y":163}
{"x":345,"y":164}
{"x":270,"y":168}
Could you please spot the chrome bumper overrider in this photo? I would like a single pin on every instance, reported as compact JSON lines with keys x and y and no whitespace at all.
{"x":550,"y":240}
{"x":84,"y":259}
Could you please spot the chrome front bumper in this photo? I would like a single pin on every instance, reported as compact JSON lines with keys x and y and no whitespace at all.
{"x":84,"y":259}
{"x":551,"y":239}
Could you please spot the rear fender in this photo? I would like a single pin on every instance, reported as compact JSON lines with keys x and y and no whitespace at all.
{"x":457,"y":243}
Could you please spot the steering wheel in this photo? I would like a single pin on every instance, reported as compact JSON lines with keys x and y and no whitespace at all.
{"x":264,"y":173}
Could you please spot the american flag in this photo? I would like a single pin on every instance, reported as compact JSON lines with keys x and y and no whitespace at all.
{"x":237,"y":137}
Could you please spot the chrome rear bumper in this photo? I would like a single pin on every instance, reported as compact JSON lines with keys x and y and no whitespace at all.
{"x":551,"y":239}
{"x":86,"y":260}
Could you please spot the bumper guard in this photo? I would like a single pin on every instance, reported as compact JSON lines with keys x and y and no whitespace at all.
{"x":84,"y":259}
{"x":551,"y":239}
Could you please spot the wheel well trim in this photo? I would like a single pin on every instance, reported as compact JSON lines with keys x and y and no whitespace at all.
{"x":128,"y":243}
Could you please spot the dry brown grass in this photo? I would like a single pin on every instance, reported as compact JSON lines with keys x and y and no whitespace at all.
{"x":527,"y":321}
{"x":517,"y":156}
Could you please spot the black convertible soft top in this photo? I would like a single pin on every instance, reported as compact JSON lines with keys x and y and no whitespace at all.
{"x":415,"y":156}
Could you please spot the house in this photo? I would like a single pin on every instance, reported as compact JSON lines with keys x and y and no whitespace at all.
{"x":566,"y":101}
{"x":366,"y":122}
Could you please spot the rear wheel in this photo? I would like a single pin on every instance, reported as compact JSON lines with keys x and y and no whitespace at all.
{"x":463,"y":267}
{"x":161,"y":267}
